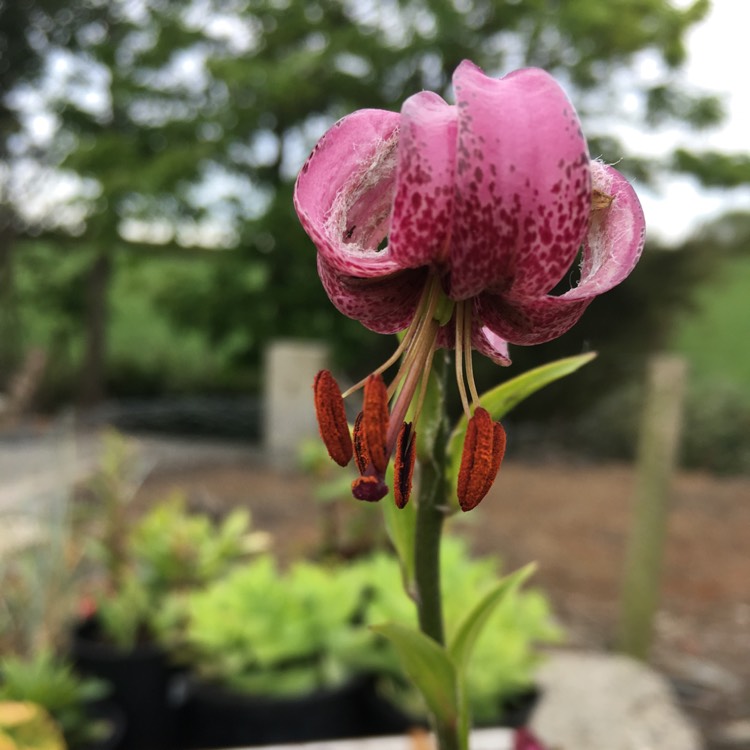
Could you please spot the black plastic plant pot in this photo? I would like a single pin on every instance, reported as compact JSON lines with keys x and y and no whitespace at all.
{"x":139,"y":680}
{"x":215,"y":717}
{"x":110,"y":721}
{"x":518,"y":709}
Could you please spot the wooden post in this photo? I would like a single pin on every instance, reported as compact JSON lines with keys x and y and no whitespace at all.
{"x":657,"y":451}
{"x":290,"y":368}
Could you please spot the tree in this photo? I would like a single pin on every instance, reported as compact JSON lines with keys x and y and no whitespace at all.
{"x":192,"y":119}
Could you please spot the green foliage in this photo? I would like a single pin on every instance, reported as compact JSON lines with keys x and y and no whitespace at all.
{"x":503,"y":658}
{"x":233,"y":631}
{"x":198,"y":133}
{"x":710,"y":337}
{"x":172,"y":549}
{"x":52,"y":684}
{"x":168,"y":550}
{"x":231,"y":634}
{"x":124,"y":614}
{"x":717,"y":427}
{"x":27,"y":726}
{"x":714,"y":169}
{"x":429,"y":667}
{"x":717,"y":410}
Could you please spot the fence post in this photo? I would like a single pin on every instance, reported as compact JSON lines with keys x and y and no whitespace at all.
{"x":657,"y":451}
{"x":289,"y":413}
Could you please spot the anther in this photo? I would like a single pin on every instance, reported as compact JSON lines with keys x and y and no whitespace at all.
{"x":369,"y":488}
{"x":484,"y":448}
{"x":361,"y":456}
{"x":375,"y":422}
{"x":403,"y":464}
{"x":329,"y":409}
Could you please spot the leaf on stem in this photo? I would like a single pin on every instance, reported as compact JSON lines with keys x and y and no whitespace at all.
{"x":430,"y":668}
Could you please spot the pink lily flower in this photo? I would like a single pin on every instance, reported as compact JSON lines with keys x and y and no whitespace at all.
{"x":486,"y":204}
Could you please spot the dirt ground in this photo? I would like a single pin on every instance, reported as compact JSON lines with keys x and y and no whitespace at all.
{"x":573,"y":520}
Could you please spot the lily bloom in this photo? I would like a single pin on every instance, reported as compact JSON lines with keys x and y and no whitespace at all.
{"x":486,"y":204}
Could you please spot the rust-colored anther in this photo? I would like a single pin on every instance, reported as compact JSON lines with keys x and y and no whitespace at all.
{"x":369,"y":488}
{"x":329,"y":409}
{"x":375,"y":422}
{"x":403,"y":464}
{"x":484,"y":448}
{"x":361,"y":456}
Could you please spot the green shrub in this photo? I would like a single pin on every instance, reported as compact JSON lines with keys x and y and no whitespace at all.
{"x":260,"y":631}
{"x":505,"y":657}
{"x":52,"y":684}
{"x":263,"y":631}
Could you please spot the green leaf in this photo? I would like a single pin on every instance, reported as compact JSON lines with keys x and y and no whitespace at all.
{"x":429,"y":667}
{"x":470,"y":629}
{"x":401,"y":526}
{"x":500,"y":400}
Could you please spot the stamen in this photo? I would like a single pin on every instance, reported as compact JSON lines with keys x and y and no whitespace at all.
{"x":425,"y":333}
{"x":423,"y":386}
{"x":467,"y":348}
{"x":460,"y":358}
{"x":411,"y":332}
{"x":403,"y":464}
{"x":361,"y":456}
{"x":375,"y":422}
{"x":369,"y":488}
{"x":331,"y":415}
{"x":484,"y":448}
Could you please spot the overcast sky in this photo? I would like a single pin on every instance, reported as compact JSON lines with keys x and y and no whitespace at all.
{"x":719,"y":59}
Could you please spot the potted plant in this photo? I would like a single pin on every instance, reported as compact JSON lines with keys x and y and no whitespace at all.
{"x":270,"y":654}
{"x":86,"y":721}
{"x":168,"y":550}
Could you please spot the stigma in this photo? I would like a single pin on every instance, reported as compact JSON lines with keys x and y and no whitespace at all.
{"x":381,"y":431}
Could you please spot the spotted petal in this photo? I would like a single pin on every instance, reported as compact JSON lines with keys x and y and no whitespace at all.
{"x":612,"y":248}
{"x":523,"y":187}
{"x":383,"y":304}
{"x":344,"y":192}
{"x":423,"y":205}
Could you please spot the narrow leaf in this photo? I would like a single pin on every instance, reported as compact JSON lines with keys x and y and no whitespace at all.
{"x":470,"y":629}
{"x":401,"y":524}
{"x":429,"y":667}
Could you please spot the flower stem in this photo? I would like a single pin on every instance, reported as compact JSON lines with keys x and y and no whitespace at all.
{"x":429,"y":526}
{"x":430,"y":519}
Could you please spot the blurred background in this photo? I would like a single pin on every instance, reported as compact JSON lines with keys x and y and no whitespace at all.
{"x":150,"y":257}
{"x":149,"y":245}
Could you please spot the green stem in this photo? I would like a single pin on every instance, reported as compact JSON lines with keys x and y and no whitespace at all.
{"x":431,"y":499}
{"x":430,"y":517}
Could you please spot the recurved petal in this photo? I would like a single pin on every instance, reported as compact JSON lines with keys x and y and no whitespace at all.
{"x":383,"y":304}
{"x":523,"y":185}
{"x":344,"y":192}
{"x":612,"y":248}
{"x":529,"y":321}
{"x":616,"y":235}
{"x":423,"y":205}
{"x":489,"y":344}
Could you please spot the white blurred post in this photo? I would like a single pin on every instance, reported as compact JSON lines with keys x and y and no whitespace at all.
{"x":289,"y":413}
